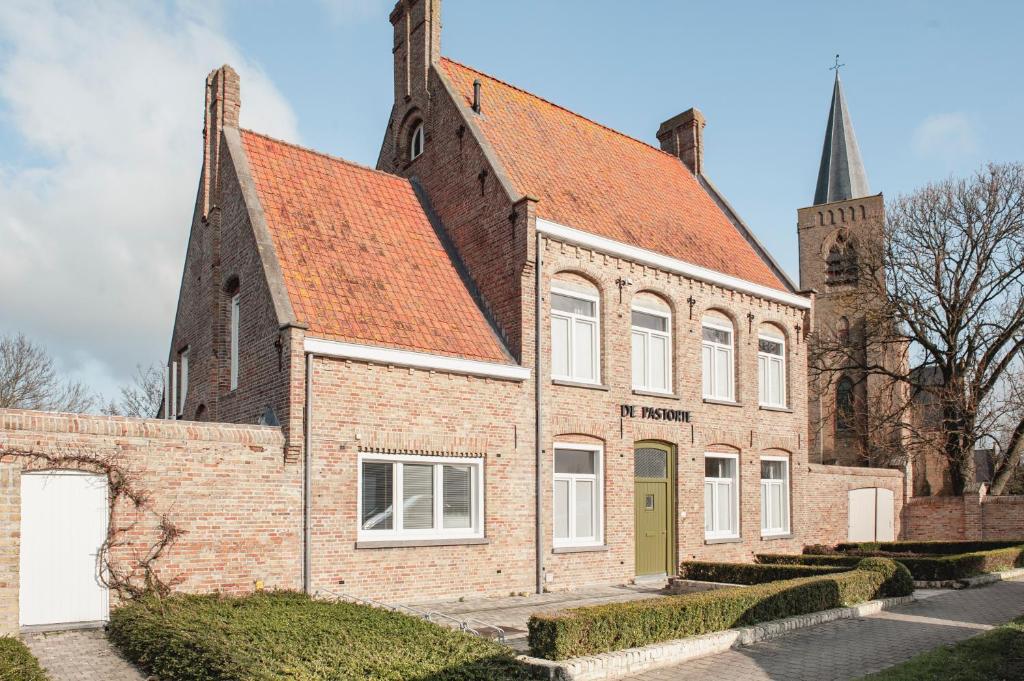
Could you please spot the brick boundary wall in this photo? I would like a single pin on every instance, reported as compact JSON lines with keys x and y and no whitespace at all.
{"x":826,"y":500}
{"x":973,"y":516}
{"x":227,"y":486}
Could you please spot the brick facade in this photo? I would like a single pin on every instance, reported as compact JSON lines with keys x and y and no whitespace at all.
{"x":973,"y":516}
{"x":227,"y":487}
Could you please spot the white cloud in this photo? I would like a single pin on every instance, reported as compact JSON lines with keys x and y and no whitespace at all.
{"x":948,"y":136}
{"x":106,"y":99}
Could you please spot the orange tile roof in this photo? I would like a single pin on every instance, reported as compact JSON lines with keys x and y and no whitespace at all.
{"x":595,"y":179}
{"x":361,"y":261}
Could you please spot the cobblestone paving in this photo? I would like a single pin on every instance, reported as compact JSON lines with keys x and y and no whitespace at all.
{"x":83,"y":655}
{"x":849,"y":649}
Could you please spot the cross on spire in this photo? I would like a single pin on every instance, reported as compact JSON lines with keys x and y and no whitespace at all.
{"x":836,"y":66}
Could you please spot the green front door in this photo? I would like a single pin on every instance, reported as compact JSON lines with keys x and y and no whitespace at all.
{"x":653,"y":501}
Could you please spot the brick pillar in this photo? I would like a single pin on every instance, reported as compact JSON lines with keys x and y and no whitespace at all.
{"x":223,"y":103}
{"x":974,"y":521}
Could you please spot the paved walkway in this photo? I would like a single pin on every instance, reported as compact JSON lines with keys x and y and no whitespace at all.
{"x":849,"y":649}
{"x":83,"y":655}
{"x":511,"y":613}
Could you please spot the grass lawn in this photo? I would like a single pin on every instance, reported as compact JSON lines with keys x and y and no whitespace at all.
{"x":17,"y":663}
{"x":996,"y":655}
{"x":286,"y":635}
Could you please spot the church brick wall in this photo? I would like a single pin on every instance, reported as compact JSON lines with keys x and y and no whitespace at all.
{"x":228,"y":487}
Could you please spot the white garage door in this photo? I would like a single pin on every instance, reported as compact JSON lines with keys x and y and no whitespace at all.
{"x":870,"y":515}
{"x":63,"y":525}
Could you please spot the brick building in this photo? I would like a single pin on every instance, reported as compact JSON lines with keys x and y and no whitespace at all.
{"x":526,"y":351}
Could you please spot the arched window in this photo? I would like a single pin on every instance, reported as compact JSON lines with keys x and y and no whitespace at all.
{"x":575,"y":331}
{"x":652,"y":343}
{"x":416,"y":141}
{"x":771,"y":367}
{"x":841,"y":263}
{"x":717,"y":357}
{"x":844,"y":405}
{"x":843,"y":330}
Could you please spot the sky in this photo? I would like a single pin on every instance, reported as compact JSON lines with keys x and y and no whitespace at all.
{"x":101,"y":118}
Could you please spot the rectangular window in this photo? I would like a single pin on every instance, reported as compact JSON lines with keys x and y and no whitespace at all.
{"x":578,"y":496}
{"x":652,"y":347}
{"x":440,"y":497}
{"x":574,"y":336}
{"x":721,"y":496}
{"x":771,"y":370}
{"x":717,"y":360}
{"x":183,"y":382}
{"x":774,"y":496}
{"x":235,"y":319}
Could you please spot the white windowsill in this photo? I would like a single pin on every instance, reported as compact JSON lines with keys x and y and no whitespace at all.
{"x":655,"y":393}
{"x":583,"y":548}
{"x":579,"y":384}
{"x":404,"y":543}
{"x":723,"y":403}
{"x":775,"y":407}
{"x":776,"y":535}
{"x":722,"y":540}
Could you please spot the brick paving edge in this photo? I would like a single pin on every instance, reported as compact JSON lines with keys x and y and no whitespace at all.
{"x":621,"y":663}
{"x":968,"y":582}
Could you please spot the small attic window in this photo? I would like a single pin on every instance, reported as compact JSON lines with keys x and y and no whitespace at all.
{"x":416,"y":141}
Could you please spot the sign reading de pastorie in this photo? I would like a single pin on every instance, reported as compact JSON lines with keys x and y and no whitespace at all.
{"x":655,"y":413}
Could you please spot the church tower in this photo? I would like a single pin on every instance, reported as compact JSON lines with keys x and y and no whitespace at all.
{"x":834,"y":234}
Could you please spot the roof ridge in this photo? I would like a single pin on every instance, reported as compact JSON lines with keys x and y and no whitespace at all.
{"x":558,"y":106}
{"x":323,"y":154}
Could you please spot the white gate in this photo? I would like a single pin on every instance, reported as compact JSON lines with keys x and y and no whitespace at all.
{"x":870,"y":515}
{"x":63,"y":525}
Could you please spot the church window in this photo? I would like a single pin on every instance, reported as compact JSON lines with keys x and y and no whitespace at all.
{"x":416,"y":141}
{"x":844,"y":405}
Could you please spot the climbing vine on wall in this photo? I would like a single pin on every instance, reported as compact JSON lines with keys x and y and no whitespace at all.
{"x":133,"y":573}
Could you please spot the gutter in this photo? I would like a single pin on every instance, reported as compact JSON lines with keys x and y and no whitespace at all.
{"x":538,"y":442}
{"x":307,"y":483}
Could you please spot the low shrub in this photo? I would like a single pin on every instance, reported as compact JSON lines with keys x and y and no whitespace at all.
{"x":285,"y":635}
{"x":751,"y":573}
{"x":838,"y":559}
{"x":17,"y":663}
{"x":603,"y":628}
{"x":898,"y":580}
{"x":926,"y":547}
{"x":924,"y":568}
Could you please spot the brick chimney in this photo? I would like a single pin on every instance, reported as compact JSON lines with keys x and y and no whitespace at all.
{"x":222,"y":105}
{"x":683,"y":136}
{"x":417,"y":45}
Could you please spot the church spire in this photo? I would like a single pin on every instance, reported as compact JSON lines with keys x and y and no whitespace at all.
{"x":842,"y":174}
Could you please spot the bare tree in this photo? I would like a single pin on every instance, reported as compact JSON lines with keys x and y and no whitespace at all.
{"x":943,"y":327}
{"x":29,"y":380}
{"x":142,"y":397}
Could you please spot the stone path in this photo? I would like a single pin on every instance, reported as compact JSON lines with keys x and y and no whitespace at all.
{"x":82,"y":655}
{"x":849,"y":649}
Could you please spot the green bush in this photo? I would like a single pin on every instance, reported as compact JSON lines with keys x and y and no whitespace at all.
{"x":924,"y":568}
{"x":925,"y":547}
{"x":17,"y":663}
{"x":284,"y":635}
{"x":898,"y":580}
{"x":616,"y":626}
{"x":750,"y":573}
{"x":803,"y":559}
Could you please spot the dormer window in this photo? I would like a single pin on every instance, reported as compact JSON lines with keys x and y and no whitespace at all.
{"x":416,"y":141}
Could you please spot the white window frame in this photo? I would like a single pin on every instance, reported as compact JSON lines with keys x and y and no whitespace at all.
{"x":236,"y":317}
{"x":728,"y":533}
{"x":597,"y":478}
{"x":764,"y":363}
{"x":715,"y":348}
{"x":183,"y":381}
{"x":417,"y":142}
{"x":646,"y":383}
{"x":573,"y":319}
{"x":784,"y":487}
{"x":397,"y":532}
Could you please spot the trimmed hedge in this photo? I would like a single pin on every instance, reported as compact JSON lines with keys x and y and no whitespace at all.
{"x":750,"y":573}
{"x":616,"y":626}
{"x":286,"y":635}
{"x":17,"y":663}
{"x":924,"y":568}
{"x":944,"y":548}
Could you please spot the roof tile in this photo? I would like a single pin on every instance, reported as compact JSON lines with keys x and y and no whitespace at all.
{"x":361,"y":261}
